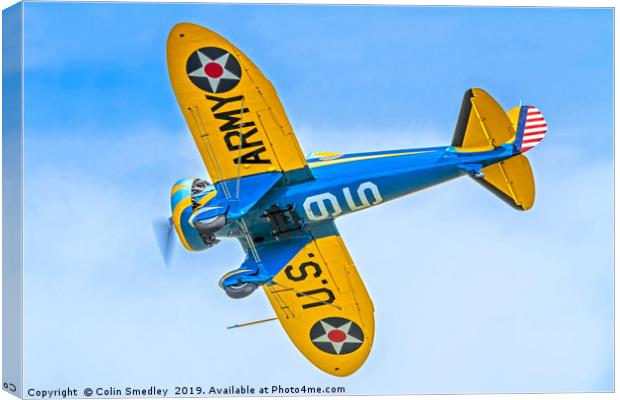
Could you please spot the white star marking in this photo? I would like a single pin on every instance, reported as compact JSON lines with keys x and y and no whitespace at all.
{"x":221,"y":61}
{"x":337,"y":345}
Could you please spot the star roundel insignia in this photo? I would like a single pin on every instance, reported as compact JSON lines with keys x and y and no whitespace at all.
{"x":213,"y":70}
{"x":337,"y":335}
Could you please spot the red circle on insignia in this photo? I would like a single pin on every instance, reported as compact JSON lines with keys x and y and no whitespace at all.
{"x":336,"y":335}
{"x":214,"y":70}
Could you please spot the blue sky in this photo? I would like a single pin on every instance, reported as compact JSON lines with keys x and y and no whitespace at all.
{"x":494,"y":300}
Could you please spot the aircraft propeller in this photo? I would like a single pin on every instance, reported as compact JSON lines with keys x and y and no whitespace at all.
{"x":165,"y":236}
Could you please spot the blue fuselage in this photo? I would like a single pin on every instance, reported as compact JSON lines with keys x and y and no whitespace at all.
{"x":354,"y":182}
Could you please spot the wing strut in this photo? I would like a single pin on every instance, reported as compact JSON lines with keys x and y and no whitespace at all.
{"x":248,"y":238}
{"x":241,"y":223}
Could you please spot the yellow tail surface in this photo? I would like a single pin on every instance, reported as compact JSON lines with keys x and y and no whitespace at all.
{"x":512,"y":181}
{"x":484,"y":125}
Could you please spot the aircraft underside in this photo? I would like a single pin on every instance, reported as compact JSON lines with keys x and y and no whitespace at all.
{"x":281,"y":206}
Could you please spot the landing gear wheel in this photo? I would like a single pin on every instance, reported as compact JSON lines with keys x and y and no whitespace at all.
{"x":240,"y":290}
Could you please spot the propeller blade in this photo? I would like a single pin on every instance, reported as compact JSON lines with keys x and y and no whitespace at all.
{"x":164,"y":234}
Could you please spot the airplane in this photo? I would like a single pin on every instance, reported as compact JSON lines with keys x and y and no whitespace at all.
{"x":281,"y":206}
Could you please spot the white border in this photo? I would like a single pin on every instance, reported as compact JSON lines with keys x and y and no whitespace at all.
{"x":507,"y":3}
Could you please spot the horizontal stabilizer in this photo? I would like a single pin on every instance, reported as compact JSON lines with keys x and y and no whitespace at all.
{"x":482,"y":123}
{"x":512,"y":181}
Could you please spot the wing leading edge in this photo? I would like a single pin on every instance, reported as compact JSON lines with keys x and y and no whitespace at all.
{"x":232,"y":110}
{"x":324,"y":307}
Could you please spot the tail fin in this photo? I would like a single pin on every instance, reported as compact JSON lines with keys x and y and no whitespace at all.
{"x":530,"y":127}
{"x":484,"y":125}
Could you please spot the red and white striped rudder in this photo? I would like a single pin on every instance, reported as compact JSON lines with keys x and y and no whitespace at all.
{"x":531,"y":129}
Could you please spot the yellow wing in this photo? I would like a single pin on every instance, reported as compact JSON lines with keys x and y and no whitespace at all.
{"x":324,"y":307}
{"x":232,"y":110}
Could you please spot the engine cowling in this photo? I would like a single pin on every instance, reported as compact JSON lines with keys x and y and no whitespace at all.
{"x":196,"y":213}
